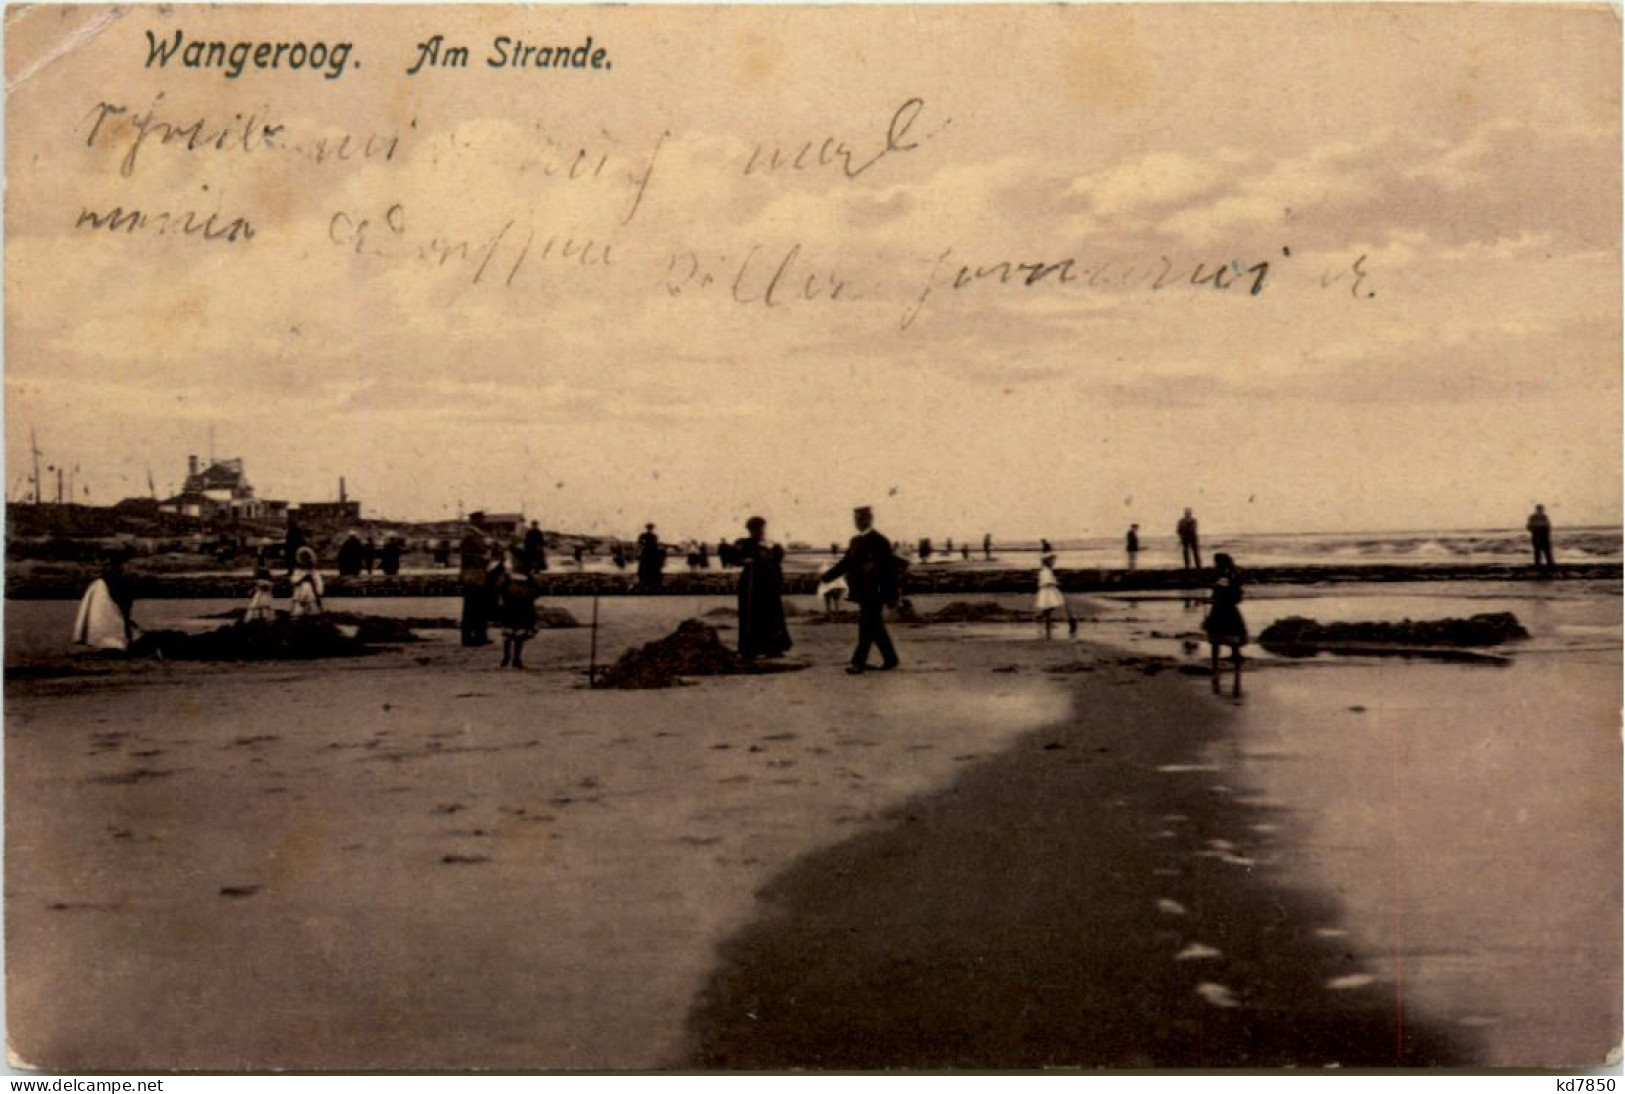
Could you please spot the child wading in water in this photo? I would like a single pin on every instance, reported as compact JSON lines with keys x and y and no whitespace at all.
{"x":1224,"y":625}
{"x":1050,"y":597}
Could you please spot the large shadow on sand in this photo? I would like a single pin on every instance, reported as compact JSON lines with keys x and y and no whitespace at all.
{"x":1030,"y":916}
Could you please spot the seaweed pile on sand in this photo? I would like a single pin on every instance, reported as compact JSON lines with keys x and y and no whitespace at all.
{"x":1298,"y":636}
{"x":693,"y":649}
{"x":983,"y":611}
{"x":285,"y":639}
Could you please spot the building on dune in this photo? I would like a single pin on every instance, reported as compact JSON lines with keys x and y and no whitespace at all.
{"x":220,"y":490}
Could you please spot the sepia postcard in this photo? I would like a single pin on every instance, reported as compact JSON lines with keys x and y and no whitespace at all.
{"x":647,"y":538}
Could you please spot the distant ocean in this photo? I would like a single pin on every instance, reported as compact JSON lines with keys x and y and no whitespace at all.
{"x":1580,"y":544}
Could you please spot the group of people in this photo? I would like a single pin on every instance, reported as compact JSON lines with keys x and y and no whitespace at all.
{"x":357,"y":557}
{"x":1190,"y":545}
{"x":499,"y":586}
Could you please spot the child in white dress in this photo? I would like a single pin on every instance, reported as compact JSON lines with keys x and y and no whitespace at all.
{"x":1050,"y":597}
{"x":262,"y":605}
{"x":307,"y":585}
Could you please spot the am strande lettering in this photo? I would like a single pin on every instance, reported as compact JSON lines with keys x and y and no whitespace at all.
{"x":509,"y":52}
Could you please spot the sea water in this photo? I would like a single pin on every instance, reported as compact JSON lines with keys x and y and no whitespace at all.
{"x":1466,"y":818}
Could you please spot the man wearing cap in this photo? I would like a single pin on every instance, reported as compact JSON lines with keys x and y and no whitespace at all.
{"x":871,"y":580}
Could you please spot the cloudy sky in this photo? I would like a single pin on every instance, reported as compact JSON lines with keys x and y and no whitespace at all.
{"x":1435,"y":342}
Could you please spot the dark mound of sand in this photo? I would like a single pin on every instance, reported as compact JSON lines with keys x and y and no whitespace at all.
{"x":401,"y":625}
{"x":693,"y":649}
{"x":284,"y":640}
{"x":791,"y":611}
{"x":961,"y":611}
{"x":1298,"y":635}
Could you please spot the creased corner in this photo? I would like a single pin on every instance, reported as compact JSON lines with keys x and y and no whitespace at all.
{"x":80,"y":36}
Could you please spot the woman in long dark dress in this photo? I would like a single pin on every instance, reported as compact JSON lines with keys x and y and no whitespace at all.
{"x":1224,"y":625}
{"x":762,"y":631}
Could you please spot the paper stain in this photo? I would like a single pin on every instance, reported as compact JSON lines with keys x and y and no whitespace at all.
{"x":1109,"y":68}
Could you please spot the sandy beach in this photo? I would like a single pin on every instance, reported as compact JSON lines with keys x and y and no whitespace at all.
{"x":1011,"y":853}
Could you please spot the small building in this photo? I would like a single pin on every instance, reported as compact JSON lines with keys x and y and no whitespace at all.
{"x":328,"y":514}
{"x":498,"y":524}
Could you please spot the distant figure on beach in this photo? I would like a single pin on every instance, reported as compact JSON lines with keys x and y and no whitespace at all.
{"x":925,"y":550}
{"x":576,"y":554}
{"x":535,"y":559}
{"x":1044,"y":548}
{"x":705,"y":555}
{"x":1224,"y":625}
{"x":964,"y":552}
{"x":389,"y":557}
{"x":1540,"y":537}
{"x":651,"y":560}
{"x":1131,"y":544}
{"x":617,"y":555}
{"x":871,"y":571}
{"x":987,"y":547}
{"x":762,"y":631}
{"x":514,"y":598}
{"x":834,"y":550}
{"x":105,"y":618}
{"x":352,"y":555}
{"x":262,"y":604}
{"x":291,"y":543}
{"x":369,"y":554}
{"x":1190,"y":550}
{"x":471,"y":576}
{"x":1050,"y":597}
{"x":442,"y":553}
{"x":307,"y":586}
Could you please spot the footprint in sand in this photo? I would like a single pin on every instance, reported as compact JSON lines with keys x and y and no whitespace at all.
{"x":240,"y":890}
{"x":1170,"y":907}
{"x":1197,"y":951}
{"x":447,"y":810}
{"x":1350,"y":982}
{"x":1217,"y":995}
{"x":464,"y":860}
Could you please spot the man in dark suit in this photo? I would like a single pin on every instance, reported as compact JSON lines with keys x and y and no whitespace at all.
{"x":871,"y":581}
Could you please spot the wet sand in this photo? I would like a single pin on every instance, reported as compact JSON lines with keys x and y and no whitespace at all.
{"x":416,"y":861}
